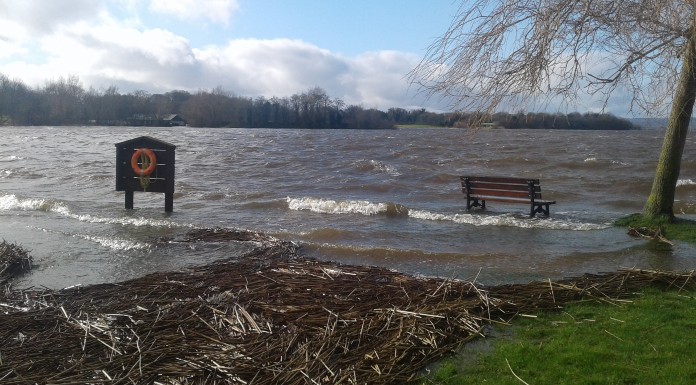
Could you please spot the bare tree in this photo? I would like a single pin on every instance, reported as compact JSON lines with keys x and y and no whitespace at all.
{"x":512,"y":53}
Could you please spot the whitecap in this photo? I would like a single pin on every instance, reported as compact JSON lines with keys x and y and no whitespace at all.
{"x":12,"y":202}
{"x":11,"y":158}
{"x":619,"y":163}
{"x":506,"y":220}
{"x":378,"y":166}
{"x":111,"y":243}
{"x":685,"y":182}
{"x":115,"y":243}
{"x":329,"y":206}
{"x":132,"y":221}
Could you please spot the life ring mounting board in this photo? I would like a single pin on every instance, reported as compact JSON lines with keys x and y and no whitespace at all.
{"x":144,"y":157}
{"x":146,"y":164}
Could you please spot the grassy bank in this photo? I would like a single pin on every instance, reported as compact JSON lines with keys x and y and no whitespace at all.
{"x":647,"y":341}
{"x":678,"y":230}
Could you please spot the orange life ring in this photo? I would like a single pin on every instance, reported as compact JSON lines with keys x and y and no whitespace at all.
{"x":136,"y":157}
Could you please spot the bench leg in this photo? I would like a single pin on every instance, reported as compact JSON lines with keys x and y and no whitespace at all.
{"x":541,"y":208}
{"x":129,"y":199}
{"x":474,"y":202}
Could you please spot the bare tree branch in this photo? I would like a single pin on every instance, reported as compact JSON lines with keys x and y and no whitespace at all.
{"x":514,"y":53}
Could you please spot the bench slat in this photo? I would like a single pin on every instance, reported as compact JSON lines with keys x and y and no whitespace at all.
{"x":501,"y":193}
{"x":511,"y":200}
{"x":498,"y":186}
{"x":501,"y":199}
{"x":500,"y":179}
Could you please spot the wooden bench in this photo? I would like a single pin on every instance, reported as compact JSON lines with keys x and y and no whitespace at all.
{"x":479,"y":189}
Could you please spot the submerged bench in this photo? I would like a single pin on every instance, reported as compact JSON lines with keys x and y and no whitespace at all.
{"x":479,"y":189}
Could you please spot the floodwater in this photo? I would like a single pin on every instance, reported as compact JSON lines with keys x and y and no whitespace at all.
{"x":387,"y":198}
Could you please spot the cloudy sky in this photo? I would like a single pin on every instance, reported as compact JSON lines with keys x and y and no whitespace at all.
{"x":357,"y":50}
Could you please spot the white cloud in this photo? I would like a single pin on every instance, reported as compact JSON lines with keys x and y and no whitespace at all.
{"x":277,"y":67}
{"x":103,"y":50}
{"x":41,"y":17}
{"x":12,"y":37}
{"x":378,"y":78}
{"x":217,"y":11}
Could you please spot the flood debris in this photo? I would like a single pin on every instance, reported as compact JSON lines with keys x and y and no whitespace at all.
{"x":654,"y":233}
{"x":220,"y":234}
{"x":270,"y":317}
{"x":14,"y":261}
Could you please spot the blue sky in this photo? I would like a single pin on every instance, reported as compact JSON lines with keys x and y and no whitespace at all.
{"x":357,"y":50}
{"x":347,"y":27}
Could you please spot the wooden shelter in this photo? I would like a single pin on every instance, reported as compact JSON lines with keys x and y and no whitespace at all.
{"x":146,"y":164}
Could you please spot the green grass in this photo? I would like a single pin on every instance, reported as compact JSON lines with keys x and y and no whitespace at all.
{"x":649,"y":341}
{"x":677,"y":230}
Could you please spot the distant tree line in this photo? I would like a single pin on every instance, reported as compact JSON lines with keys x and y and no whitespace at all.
{"x":65,"y":102}
{"x":546,"y":121}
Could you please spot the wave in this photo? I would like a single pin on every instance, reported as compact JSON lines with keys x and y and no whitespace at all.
{"x":114,"y":243}
{"x":615,"y":162}
{"x":11,"y":202}
{"x":111,"y":243}
{"x":509,"y":220}
{"x":685,"y":182}
{"x":375,"y":165}
{"x":11,"y":158}
{"x":125,"y":221}
{"x":328,"y":206}
{"x":324,"y":235}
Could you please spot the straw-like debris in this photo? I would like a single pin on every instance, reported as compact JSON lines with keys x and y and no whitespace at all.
{"x":654,"y":233}
{"x":269,"y":318}
{"x":14,"y":261}
{"x":219,"y":234}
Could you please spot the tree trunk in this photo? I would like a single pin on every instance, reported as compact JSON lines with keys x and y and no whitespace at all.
{"x":661,"y":200}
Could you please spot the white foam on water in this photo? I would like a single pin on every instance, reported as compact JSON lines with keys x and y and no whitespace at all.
{"x":685,"y":182}
{"x":596,"y":160}
{"x":137,"y":222}
{"x":114,"y":243}
{"x":11,"y":158}
{"x":329,"y":206}
{"x":12,"y":202}
{"x":111,"y":243}
{"x":378,"y":166}
{"x":620,"y":163}
{"x":507,"y":220}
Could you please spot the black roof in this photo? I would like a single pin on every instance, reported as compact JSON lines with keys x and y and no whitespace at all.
{"x":144,"y":140}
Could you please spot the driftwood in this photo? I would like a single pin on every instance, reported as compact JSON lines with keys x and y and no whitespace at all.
{"x":269,"y":318}
{"x":654,"y":233}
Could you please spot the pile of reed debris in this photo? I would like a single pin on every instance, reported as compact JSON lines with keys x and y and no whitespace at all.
{"x":14,"y":261}
{"x":269,"y":318}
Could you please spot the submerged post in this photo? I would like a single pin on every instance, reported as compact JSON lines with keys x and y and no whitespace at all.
{"x":145,"y":164}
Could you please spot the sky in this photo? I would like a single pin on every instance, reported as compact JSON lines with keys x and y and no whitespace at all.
{"x":357,"y":50}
